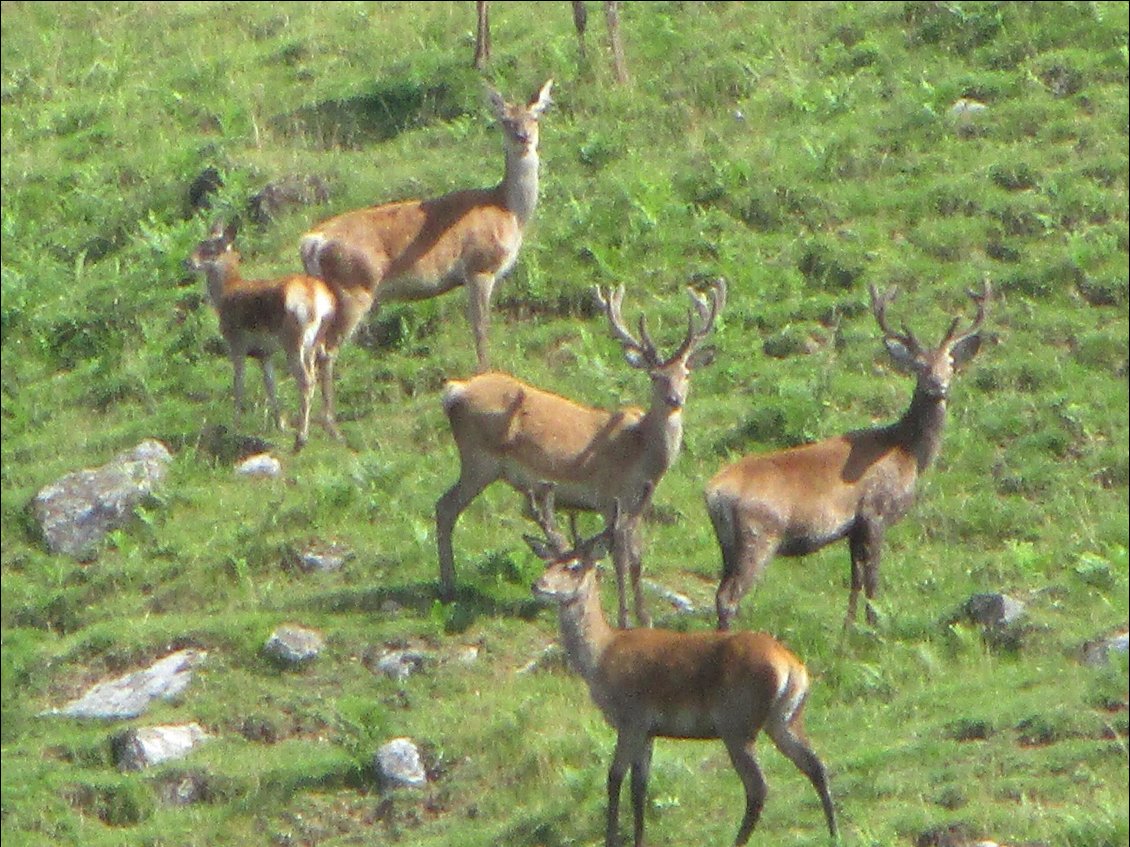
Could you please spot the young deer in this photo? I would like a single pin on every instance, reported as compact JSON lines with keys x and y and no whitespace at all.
{"x":653,"y":683}
{"x":795,"y":501}
{"x":260,"y":317}
{"x":506,"y":429}
{"x":415,"y":249}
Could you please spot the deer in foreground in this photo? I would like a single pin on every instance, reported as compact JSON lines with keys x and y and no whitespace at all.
{"x":651,"y":683}
{"x":796,"y":501}
{"x":416,"y":249}
{"x":260,"y":317}
{"x":580,"y":21}
{"x":505,"y":429}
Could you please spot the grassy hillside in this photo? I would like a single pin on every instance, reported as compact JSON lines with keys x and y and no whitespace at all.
{"x":803,"y":151}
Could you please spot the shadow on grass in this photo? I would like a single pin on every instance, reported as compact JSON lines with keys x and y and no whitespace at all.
{"x":380,"y":114}
{"x":470,"y":604}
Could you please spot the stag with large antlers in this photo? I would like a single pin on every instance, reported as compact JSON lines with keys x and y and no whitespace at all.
{"x":796,"y":501}
{"x":656,"y":683}
{"x":509,"y":430}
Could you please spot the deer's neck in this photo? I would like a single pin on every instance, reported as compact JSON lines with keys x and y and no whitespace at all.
{"x":520,"y":184}
{"x":220,"y":279}
{"x":661,"y":430}
{"x":584,"y":631}
{"x":920,"y":429}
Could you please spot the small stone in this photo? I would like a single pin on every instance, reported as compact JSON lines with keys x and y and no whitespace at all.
{"x":137,"y":749}
{"x":294,"y":645}
{"x":261,"y":466}
{"x":993,"y":609}
{"x":398,"y":765}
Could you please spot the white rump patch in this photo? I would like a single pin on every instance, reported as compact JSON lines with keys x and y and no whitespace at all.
{"x":310,"y":248}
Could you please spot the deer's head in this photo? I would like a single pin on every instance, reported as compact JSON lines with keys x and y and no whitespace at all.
{"x":570,"y":566}
{"x":670,"y":376}
{"x":519,"y":121}
{"x":215,"y":251}
{"x":934,"y":367}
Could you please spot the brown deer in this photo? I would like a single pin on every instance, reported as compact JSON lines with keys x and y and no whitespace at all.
{"x":260,"y":317}
{"x":416,"y":249}
{"x":505,"y":429}
{"x":651,"y":683}
{"x":795,"y":501}
{"x":580,"y":21}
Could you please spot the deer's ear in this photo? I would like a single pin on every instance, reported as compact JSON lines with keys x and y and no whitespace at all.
{"x":598,"y":547}
{"x":904,"y":360}
{"x":540,"y":548}
{"x":230,"y":231}
{"x":497,"y":103}
{"x":636,"y":359}
{"x":540,"y":101}
{"x":702,"y":357}
{"x":965,"y":350}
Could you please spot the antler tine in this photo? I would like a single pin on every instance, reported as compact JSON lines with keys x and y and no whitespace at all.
{"x":648,"y":346}
{"x":610,"y":304}
{"x":707,"y":313}
{"x":879,"y":303}
{"x":982,"y":300}
{"x":541,"y":505}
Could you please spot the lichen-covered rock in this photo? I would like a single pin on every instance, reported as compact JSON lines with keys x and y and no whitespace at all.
{"x":294,"y":645}
{"x":76,"y":512}
{"x":130,"y":695}
{"x":261,"y":465}
{"x":398,"y":764}
{"x":137,"y":749}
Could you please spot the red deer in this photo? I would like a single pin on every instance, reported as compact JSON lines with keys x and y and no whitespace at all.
{"x":656,"y":683}
{"x":796,"y":501}
{"x":416,"y":249}
{"x":505,"y":429}
{"x":260,"y":317}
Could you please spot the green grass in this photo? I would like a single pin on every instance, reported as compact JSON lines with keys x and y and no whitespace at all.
{"x":803,"y":151}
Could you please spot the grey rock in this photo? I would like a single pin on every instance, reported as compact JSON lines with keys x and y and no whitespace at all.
{"x":321,"y":557}
{"x":76,"y":512}
{"x":137,"y":749}
{"x":130,"y":695}
{"x":401,"y":664}
{"x":1098,"y":652}
{"x":261,"y":466}
{"x":398,"y":764}
{"x":294,"y":645}
{"x":993,"y":610}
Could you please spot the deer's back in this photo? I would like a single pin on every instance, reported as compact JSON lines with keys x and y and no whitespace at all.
{"x":816,"y":489}
{"x":417,"y":248}
{"x":692,"y":685}
{"x":536,"y":434}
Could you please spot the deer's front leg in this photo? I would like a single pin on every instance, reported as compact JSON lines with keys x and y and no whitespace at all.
{"x":479,"y":289}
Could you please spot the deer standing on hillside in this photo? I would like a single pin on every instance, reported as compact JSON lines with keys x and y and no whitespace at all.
{"x":795,"y":501}
{"x":262,"y":316}
{"x":651,"y":683}
{"x":580,"y":21}
{"x":506,"y":429}
{"x":416,"y":249}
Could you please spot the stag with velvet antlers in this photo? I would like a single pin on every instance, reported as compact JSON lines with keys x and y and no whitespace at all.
{"x":260,"y":317}
{"x":656,"y":683}
{"x":416,"y":249}
{"x":796,"y":501}
{"x":509,"y":430}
